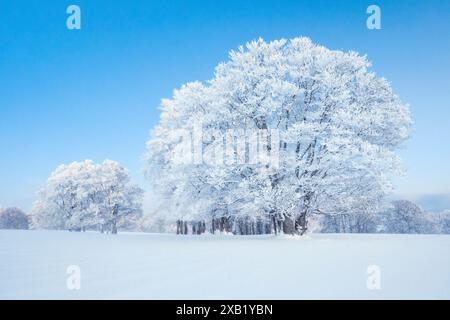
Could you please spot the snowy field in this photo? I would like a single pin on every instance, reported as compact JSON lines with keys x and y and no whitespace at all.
{"x":33,"y":265}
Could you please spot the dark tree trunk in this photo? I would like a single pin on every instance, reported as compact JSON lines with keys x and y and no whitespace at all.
{"x":114,"y":219}
{"x":301,"y":224}
{"x":288,"y":226}
{"x":114,"y":227}
{"x":274,"y":224}
{"x":268,"y":228}
{"x":259,"y":226}
{"x":178,"y":226}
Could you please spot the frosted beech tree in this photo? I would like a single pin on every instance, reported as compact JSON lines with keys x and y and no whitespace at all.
{"x":362,"y":222}
{"x":405,"y":216}
{"x":119,"y":202}
{"x":13,"y":218}
{"x":443,"y":222}
{"x":330,"y":122}
{"x":84,"y":195}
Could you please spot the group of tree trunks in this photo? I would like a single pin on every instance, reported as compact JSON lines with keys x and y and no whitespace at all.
{"x":244,"y":226}
{"x":197,"y":227}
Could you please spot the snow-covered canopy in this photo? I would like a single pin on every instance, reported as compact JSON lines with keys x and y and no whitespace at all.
{"x":86,"y":195}
{"x":331,"y":122}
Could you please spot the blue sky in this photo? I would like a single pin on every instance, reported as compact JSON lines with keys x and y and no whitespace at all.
{"x":68,"y":95}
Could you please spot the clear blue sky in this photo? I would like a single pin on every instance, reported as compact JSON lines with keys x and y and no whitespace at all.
{"x":94,"y":93}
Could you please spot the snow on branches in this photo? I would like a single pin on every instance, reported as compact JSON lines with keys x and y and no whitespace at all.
{"x":86,"y":196}
{"x":13,"y":218}
{"x":337,"y":127}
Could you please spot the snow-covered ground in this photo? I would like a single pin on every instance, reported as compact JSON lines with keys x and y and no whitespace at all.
{"x":33,"y":265}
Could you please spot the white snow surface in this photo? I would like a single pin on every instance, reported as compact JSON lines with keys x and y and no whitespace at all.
{"x":33,"y":265}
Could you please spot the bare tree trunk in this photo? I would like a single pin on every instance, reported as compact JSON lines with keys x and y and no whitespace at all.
{"x":301,"y":224}
{"x":114,"y":219}
{"x":274,"y":223}
{"x":114,"y":227}
{"x":288,"y":226}
{"x":178,"y":226}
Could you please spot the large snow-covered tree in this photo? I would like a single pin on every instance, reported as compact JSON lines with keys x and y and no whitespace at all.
{"x":84,"y":195}
{"x":13,"y":218}
{"x":329,"y":122}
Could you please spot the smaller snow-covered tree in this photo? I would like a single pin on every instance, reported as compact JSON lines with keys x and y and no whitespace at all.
{"x":405,"y":217}
{"x":118,"y":202}
{"x":349,"y":223}
{"x":46,"y":215}
{"x":445,"y":222}
{"x":440,"y":221}
{"x":13,"y":218}
{"x":84,"y":195}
